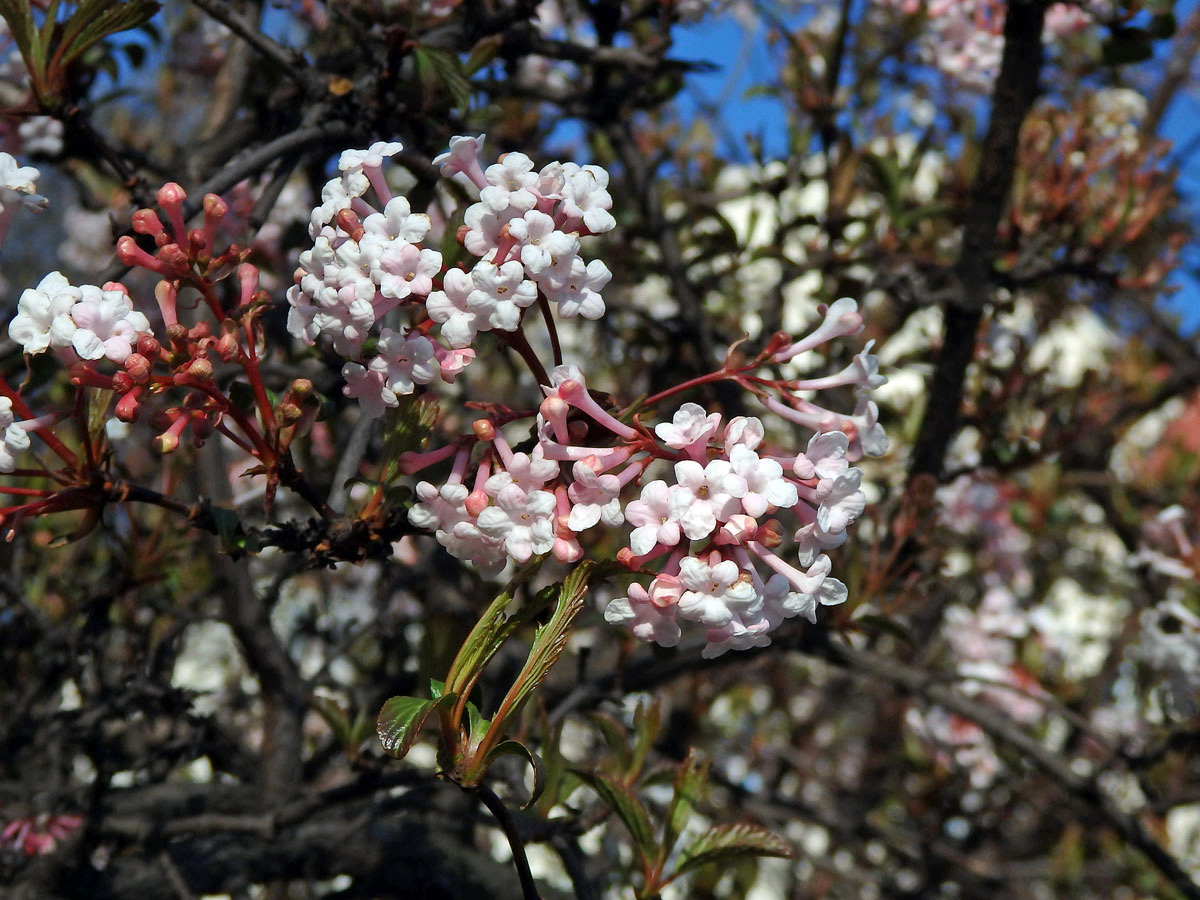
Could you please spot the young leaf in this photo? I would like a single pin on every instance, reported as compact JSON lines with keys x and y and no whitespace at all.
{"x":693,"y":776}
{"x":646,"y":722}
{"x":629,"y":810}
{"x":516,"y":748}
{"x":729,"y":842}
{"x":549,"y":641}
{"x":489,"y":633}
{"x":615,"y":737}
{"x":400,"y":721}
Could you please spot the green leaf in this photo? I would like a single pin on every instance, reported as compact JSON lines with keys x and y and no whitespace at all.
{"x":94,"y":20}
{"x":729,"y":842}
{"x":98,"y":401}
{"x":647,"y":720}
{"x":628,"y":808}
{"x":489,"y":633}
{"x":438,"y":68}
{"x":615,"y":738}
{"x":399,"y":722}
{"x":482,"y":53}
{"x":477,"y":725}
{"x":407,"y":428}
{"x":436,"y":688}
{"x":549,"y":641}
{"x":689,"y":784}
{"x":516,"y":748}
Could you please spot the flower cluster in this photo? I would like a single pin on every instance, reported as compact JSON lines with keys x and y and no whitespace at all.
{"x":365,"y":263}
{"x":702,"y":497}
{"x":964,"y":38}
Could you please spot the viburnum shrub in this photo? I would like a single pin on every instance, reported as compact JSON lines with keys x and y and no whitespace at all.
{"x":722,"y":525}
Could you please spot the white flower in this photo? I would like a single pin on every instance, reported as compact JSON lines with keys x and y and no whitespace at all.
{"x":38,"y":308}
{"x":501,"y":293}
{"x":584,"y":196}
{"x":654,"y":520}
{"x":713,"y":592}
{"x":18,"y":184}
{"x":528,"y":471}
{"x":409,"y":360}
{"x":650,"y":623}
{"x":544,"y":250}
{"x":704,"y":496}
{"x":579,"y":293}
{"x":369,"y":387}
{"x":15,"y":439}
{"x":101,"y":324}
{"x":462,"y":156}
{"x":450,"y":309}
{"x":824,"y":458}
{"x":373,"y":157}
{"x":689,"y":429}
{"x":510,"y":184}
{"x":746,"y":431}
{"x":524,"y":522}
{"x":397,"y":222}
{"x":406,"y":269}
{"x":765,"y":484}
{"x":594,"y":497}
{"x":841,"y":501}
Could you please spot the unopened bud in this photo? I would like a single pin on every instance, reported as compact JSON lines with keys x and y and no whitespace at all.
{"x":122,"y":381}
{"x":477,"y":502}
{"x":170,"y":194}
{"x":227,"y":347}
{"x":146,"y":221}
{"x":148,"y":345}
{"x":484,"y":429}
{"x":214,"y":206}
{"x":627,"y":558}
{"x":301,"y":388}
{"x":199,"y":331}
{"x":289,"y":413}
{"x":128,"y":406}
{"x":165,"y":442}
{"x":200,"y":368}
{"x":174,"y":258}
{"x":137,"y":366}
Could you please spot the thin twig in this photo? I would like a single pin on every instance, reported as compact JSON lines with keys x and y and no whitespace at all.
{"x":285,"y":58}
{"x":497,"y":808}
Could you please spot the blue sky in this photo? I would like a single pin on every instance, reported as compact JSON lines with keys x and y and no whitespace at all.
{"x":744,"y":60}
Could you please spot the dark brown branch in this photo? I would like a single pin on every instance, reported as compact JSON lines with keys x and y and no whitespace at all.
{"x":1015,"y":90}
{"x":288,"y":61}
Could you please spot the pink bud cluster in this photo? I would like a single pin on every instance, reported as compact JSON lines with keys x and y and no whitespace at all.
{"x":366,"y":264}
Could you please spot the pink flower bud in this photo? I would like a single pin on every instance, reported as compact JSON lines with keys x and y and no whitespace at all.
{"x":739,"y":529}
{"x":146,"y":221}
{"x":129,"y":405}
{"x":477,"y":502}
{"x":170,"y":197}
{"x":130,"y":254}
{"x":627,"y":558}
{"x":484,"y":430}
{"x":200,"y":368}
{"x":148,"y":346}
{"x":665,"y":591}
{"x":138,"y":368}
